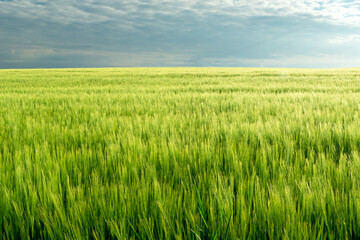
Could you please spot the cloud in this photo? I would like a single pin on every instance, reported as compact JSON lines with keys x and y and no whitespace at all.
{"x":69,"y":33}
{"x":12,"y":61}
{"x":345,"y":39}
{"x":59,"y":58}
{"x":295,"y":61}
{"x":131,"y":11}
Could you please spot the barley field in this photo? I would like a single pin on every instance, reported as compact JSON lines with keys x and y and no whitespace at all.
{"x":180,"y":153}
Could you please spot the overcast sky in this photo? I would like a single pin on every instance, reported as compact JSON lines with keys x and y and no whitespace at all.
{"x":133,"y":33}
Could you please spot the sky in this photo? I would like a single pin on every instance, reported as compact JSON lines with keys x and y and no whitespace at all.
{"x":178,"y":33}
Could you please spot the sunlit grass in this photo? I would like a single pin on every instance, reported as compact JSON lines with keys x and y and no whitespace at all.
{"x":180,"y":153}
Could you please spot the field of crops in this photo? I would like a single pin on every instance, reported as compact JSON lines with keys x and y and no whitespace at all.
{"x":180,"y":153}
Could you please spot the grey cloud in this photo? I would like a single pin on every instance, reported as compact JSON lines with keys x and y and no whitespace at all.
{"x":90,"y":11}
{"x":92,"y":33}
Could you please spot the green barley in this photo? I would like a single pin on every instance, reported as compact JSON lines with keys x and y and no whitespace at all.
{"x":180,"y":153}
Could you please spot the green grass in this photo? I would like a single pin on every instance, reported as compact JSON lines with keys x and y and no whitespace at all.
{"x":180,"y":153}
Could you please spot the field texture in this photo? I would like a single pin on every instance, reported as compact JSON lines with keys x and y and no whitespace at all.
{"x":182,"y":153}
